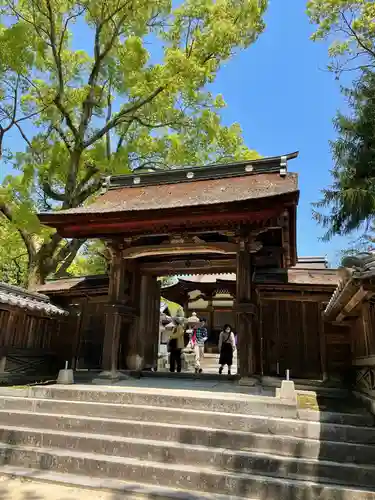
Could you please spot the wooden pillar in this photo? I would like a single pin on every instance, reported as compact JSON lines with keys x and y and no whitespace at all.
{"x":76,"y":344}
{"x":132,"y":343}
{"x":117,"y":285}
{"x":149,"y":319}
{"x":245,"y":310}
{"x":367,"y":330}
{"x":210,"y":325}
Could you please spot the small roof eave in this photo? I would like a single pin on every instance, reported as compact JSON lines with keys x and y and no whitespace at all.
{"x":15,"y":296}
{"x":352,"y":280}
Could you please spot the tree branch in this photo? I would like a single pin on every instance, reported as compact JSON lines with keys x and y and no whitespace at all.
{"x":122,"y":115}
{"x":109,"y":115}
{"x":90,"y":190}
{"x":358,"y":40}
{"x":155,"y":163}
{"x":122,"y":136}
{"x":67,"y":251}
{"x":153,"y":125}
{"x":50,"y":247}
{"x":91,"y":170}
{"x":99,"y":56}
{"x":55,"y":46}
{"x":50,"y":193}
{"x":70,"y":250}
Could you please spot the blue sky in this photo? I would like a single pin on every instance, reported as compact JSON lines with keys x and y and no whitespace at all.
{"x":284,"y":99}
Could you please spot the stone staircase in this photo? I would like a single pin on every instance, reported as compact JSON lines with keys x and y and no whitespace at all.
{"x":210,"y":364}
{"x":175,"y":444}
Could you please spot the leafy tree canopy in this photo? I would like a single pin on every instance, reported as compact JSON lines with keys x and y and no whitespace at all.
{"x":109,"y":87}
{"x":351,"y":197}
{"x":13,"y":255}
{"x":349,"y":26}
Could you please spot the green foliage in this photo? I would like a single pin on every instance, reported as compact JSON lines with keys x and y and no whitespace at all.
{"x":13,"y":256}
{"x":349,"y":26}
{"x":132,"y":96}
{"x":351,"y":197}
{"x":350,"y":200}
{"x":92,"y":259}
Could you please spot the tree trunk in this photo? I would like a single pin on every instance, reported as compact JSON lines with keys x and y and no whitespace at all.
{"x":35,"y":275}
{"x":71,"y":183}
{"x":48,"y":259}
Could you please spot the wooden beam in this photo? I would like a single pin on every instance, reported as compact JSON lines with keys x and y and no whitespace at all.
{"x":146,"y":225}
{"x":179,"y":249}
{"x":358,"y":297}
{"x":202,"y":266}
{"x":296,"y":296}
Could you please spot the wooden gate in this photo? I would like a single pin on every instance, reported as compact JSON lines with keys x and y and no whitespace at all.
{"x":291,"y":334}
{"x":91,"y":333}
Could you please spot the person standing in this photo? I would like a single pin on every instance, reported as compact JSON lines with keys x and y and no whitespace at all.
{"x":175,"y":346}
{"x":198,"y":340}
{"x":227,"y":345}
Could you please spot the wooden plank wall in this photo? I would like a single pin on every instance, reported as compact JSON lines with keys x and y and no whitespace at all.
{"x":338,"y":349}
{"x":21,"y":329}
{"x":363,"y":332}
{"x":87,"y":345}
{"x":291,"y":338}
{"x":295,"y":337}
{"x":370,"y":330}
{"x":32,"y":346}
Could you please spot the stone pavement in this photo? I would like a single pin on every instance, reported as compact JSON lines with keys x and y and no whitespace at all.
{"x":199,"y":384}
{"x":210,"y":364}
{"x":18,"y":489}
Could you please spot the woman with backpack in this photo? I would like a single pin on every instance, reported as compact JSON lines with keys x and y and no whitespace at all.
{"x":227,"y":346}
{"x":175,"y":345}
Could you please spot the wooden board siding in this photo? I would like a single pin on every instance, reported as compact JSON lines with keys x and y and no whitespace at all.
{"x":91,"y":332}
{"x":363,"y":332}
{"x":290,"y":333}
{"x":370,"y":330}
{"x":22,"y":330}
{"x":32,"y":346}
{"x":338,"y":349}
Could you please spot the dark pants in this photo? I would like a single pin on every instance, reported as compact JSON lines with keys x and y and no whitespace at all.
{"x":175,"y":359}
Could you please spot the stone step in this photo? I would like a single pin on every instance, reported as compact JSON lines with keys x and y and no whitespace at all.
{"x":116,"y":488}
{"x":359,"y":419}
{"x":255,"y":462}
{"x":205,"y":479}
{"x":192,"y":418}
{"x":160,"y":414}
{"x":169,"y":398}
{"x":284,"y":436}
